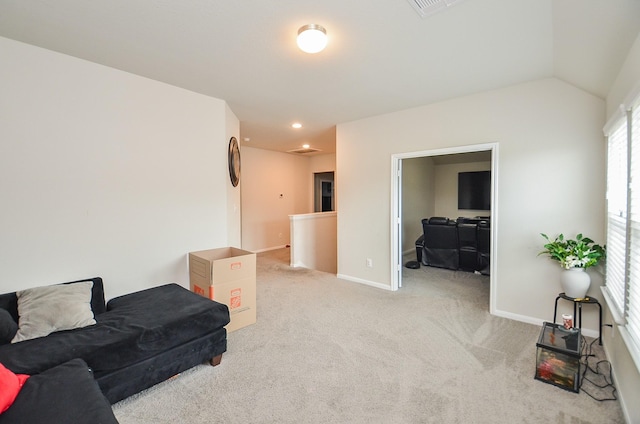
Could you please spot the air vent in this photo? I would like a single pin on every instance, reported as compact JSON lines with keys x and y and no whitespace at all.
{"x":303,"y":151}
{"x":429,"y":7}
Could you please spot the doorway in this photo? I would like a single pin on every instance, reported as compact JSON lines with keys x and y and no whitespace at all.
{"x":323,"y":197}
{"x":397,"y":224}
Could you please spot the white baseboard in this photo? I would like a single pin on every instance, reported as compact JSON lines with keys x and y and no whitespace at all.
{"x":409,"y":252}
{"x":271,"y":248}
{"x":535,"y":321}
{"x":365,"y":282}
{"x":621,"y":394}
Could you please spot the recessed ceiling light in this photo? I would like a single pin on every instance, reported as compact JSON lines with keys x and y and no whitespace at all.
{"x":312,"y":38}
{"x":296,"y":125}
{"x":305,"y":146}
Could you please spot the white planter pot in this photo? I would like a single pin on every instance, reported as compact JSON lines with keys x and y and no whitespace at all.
{"x":575,"y":282}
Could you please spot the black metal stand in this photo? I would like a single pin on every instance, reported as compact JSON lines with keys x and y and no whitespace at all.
{"x":577,"y":306}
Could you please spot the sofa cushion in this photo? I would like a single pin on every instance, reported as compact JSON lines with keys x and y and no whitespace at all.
{"x":8,"y":327}
{"x":9,"y":301}
{"x":44,"y":310}
{"x":10,"y":385}
{"x":66,"y":393}
{"x":135,"y":327}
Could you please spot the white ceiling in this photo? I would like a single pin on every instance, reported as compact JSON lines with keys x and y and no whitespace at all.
{"x":382,"y":56}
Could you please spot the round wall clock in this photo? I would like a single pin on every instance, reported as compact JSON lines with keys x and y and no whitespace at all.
{"x":234,"y":161}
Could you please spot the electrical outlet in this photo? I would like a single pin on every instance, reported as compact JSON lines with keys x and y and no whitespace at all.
{"x":369,"y":263}
{"x":613,"y":329}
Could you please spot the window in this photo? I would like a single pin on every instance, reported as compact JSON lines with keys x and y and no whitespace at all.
{"x":622,"y":284}
{"x":633,"y":286}
{"x":617,"y":177}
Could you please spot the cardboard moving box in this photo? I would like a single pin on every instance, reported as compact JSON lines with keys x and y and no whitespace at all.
{"x":226,"y":275}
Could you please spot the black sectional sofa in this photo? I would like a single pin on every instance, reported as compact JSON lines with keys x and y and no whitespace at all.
{"x":137,"y":341}
{"x":461,"y":244}
{"x":66,"y":393}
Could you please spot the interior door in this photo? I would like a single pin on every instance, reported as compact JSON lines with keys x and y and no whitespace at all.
{"x":323,"y":192}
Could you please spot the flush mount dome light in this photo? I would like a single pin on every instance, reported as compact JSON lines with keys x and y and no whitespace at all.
{"x":312,"y":38}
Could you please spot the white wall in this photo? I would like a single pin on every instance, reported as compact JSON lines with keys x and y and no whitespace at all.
{"x":265,"y":176}
{"x":274,"y":186}
{"x":104,"y":173}
{"x":446,"y":193}
{"x":313,"y":241}
{"x":627,"y":375}
{"x":418,"y":188}
{"x":628,"y":79}
{"x":550,"y":179}
{"x":322,"y":163}
{"x":234,"y":221}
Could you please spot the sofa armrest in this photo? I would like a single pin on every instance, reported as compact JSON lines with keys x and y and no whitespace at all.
{"x":66,"y":393}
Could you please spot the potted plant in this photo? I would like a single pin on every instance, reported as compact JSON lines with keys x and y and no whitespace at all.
{"x":574,"y":256}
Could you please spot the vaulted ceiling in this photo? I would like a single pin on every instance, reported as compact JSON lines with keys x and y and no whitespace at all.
{"x":381,"y":57}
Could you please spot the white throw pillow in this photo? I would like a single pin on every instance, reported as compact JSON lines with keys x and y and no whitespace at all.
{"x":44,"y":310}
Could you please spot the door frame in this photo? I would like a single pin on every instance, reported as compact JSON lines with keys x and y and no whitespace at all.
{"x":396,"y":213}
{"x":318,"y":179}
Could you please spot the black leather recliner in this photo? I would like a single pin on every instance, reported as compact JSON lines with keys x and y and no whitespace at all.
{"x":419,"y":248}
{"x":484,"y":246}
{"x":463,"y":244}
{"x":468,"y":245}
{"x":440,"y":243}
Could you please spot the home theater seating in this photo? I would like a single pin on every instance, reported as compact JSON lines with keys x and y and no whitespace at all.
{"x":462,"y":244}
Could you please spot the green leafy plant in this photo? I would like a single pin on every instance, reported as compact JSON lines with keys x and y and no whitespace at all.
{"x":581,"y":252}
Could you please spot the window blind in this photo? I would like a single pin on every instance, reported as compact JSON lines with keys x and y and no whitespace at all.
{"x":633,"y":285}
{"x":617,"y":176}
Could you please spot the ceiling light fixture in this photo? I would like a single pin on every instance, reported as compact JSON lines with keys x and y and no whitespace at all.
{"x":305,"y":146}
{"x":296,"y":125}
{"x":312,"y":38}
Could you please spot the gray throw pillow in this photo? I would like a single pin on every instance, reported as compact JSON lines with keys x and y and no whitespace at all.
{"x":44,"y":310}
{"x":8,"y":327}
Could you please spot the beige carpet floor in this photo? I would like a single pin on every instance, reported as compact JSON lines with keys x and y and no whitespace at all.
{"x":326,"y":350}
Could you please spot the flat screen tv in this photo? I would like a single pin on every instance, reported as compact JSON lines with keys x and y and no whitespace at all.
{"x":474,"y":190}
